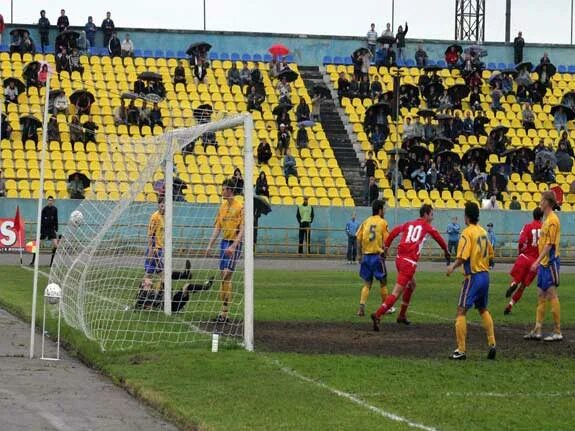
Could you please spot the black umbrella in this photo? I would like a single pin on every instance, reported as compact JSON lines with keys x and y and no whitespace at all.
{"x":261,"y":205}
{"x":67,"y":38}
{"x":55,"y":93}
{"x":426,"y":113}
{"x":203,"y":112}
{"x":528,"y":153}
{"x":32,"y":67}
{"x":150,"y":76}
{"x":551,"y":69}
{"x":458,"y":91}
{"x":288,"y":74}
{"x":511,"y":72}
{"x":442,"y":144}
{"x":386,"y":40}
{"x":19,"y":31}
{"x":81,"y":93}
{"x":322,"y":91}
{"x":197,"y":47}
{"x":566,"y":109}
{"x":397,"y":152}
{"x":448,"y":153}
{"x":444,"y":117}
{"x":457,"y":47}
{"x":17,"y":83}
{"x":359,"y":51}
{"x":85,"y":180}
{"x":499,"y":128}
{"x":27,"y":119}
{"x":377,"y":109}
{"x":436,"y":87}
{"x":130,"y":96}
{"x":387,"y":96}
{"x":479,"y":153}
{"x":281,"y":108}
{"x":420,"y":151}
{"x":432,"y":68}
{"x":525,"y":65}
{"x":483,"y":120}
{"x":500,"y":181}
{"x":409,"y":88}
{"x":569,"y":99}
{"x":476,"y":50}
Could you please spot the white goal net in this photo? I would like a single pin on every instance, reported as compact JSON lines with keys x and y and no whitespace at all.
{"x":136,"y":271}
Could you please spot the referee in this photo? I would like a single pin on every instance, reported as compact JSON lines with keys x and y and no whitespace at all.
{"x":49,"y":227}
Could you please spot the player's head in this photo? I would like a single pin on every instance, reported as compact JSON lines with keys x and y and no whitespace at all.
{"x":548,"y":201}
{"x":471,"y":213}
{"x":378,"y":207}
{"x":228,"y":188}
{"x":426,"y":212}
{"x":50,"y":200}
{"x":161,"y":206}
{"x":537,"y":214}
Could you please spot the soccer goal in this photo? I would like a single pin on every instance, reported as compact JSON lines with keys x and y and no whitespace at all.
{"x":136,"y":271}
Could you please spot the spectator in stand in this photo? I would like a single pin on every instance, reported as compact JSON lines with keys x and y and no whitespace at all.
{"x":373,"y":190}
{"x":121,"y":114}
{"x":264,"y":152}
{"x":524,"y":78}
{"x":428,"y":130}
{"x":342,"y":86}
{"x":274,"y":67}
{"x":144,"y":119}
{"x":133,"y":114}
{"x":91,"y":29}
{"x":518,"y":44}
{"x":127,"y":46}
{"x":234,"y":77}
{"x":496,"y":96}
{"x":284,"y":91}
{"x":302,"y":140}
{"x":10,"y":94}
{"x":157,"y":88}
{"x":256,"y":75}
{"x":376,"y":88}
{"x":245,"y":74}
{"x":254,"y":100}
{"x":432,"y":174}
{"x":528,"y":117}
{"x":372,"y":39}
{"x":27,"y":46}
{"x":370,"y":165}
{"x":41,"y":78}
{"x":400,"y":41}
{"x":560,"y":120}
{"x":452,"y":58}
{"x":180,"y":73}
{"x":108,"y":29}
{"x":76,"y":188}
{"x":445,"y":101}
{"x":419,"y":178}
{"x":283,"y":118}
{"x":388,"y":32}
{"x":566,"y":142}
{"x":468,"y":124}
{"x":262,"y":188}
{"x":455,"y":179}
{"x":453,"y":232}
{"x":365,"y":64}
{"x":364,"y":89}
{"x":74,"y":62}
{"x":83,"y":104}
{"x":394,"y":173}
{"x":200,"y":70}
{"x":545,"y":59}
{"x":238,"y":182}
{"x":43,"y":29}
{"x":5,"y":130}
{"x":514,"y":204}
{"x":62,"y":22}
{"x":420,"y":56}
{"x":283,"y":140}
{"x":457,"y":125}
{"x":60,"y":104}
{"x":316,"y":108}
{"x":479,"y":124}
{"x":353,"y":88}
{"x":2,"y":185}
{"x":302,"y":111}
{"x":76,"y":130}
{"x":114,"y":45}
{"x":53,"y":131}
{"x":289,"y":168}
{"x":156,"y":116}
{"x":83,"y":44}
{"x":564,"y":159}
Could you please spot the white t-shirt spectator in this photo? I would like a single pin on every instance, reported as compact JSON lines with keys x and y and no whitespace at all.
{"x":127,"y":46}
{"x":11,"y":94}
{"x":371,"y":37}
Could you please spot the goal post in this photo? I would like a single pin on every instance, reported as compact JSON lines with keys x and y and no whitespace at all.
{"x":124,"y":294}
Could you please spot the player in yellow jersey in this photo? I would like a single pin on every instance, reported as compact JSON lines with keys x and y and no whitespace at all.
{"x":154,"y":263}
{"x":372,"y":234}
{"x":547,"y":267}
{"x":230,"y":223}
{"x":475,"y":253}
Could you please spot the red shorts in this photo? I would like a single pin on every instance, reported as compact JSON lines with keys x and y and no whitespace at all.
{"x":405,"y":270}
{"x":521,"y":271}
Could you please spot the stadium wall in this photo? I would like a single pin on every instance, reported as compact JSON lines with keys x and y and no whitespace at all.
{"x":278,"y":231}
{"x":308,"y":50}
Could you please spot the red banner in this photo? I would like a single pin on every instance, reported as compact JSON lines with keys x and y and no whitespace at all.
{"x":12,"y":234}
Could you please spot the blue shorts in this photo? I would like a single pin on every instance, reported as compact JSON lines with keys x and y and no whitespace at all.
{"x":475,"y":291}
{"x":229,"y":262}
{"x":154,"y":264}
{"x":372,"y":266}
{"x":548,"y":276}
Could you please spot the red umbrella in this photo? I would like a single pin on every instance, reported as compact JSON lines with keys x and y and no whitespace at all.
{"x":278,"y":50}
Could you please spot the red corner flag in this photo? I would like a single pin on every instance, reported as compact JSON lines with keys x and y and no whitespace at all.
{"x":19,"y":226}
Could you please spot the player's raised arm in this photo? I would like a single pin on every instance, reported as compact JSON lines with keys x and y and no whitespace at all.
{"x":392,"y":235}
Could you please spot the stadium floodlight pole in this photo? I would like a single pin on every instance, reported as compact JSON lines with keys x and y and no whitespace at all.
{"x":39,"y":214}
{"x":392,"y":15}
{"x":204,"y":15}
{"x":248,"y":235}
{"x":571,"y":22}
{"x":168,"y":223}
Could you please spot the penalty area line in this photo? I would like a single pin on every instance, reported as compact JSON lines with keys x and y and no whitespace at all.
{"x":350,"y":397}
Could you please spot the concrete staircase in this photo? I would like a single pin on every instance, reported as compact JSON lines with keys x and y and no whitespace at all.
{"x":338,"y":136}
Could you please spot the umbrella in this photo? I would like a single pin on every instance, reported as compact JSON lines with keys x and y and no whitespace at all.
{"x":55,"y":93}
{"x":443,"y":117}
{"x":80,"y":93}
{"x":480,"y":153}
{"x":150,"y":76}
{"x":85,"y":180}
{"x":19,"y":31}
{"x":482,"y":120}
{"x":359,"y":51}
{"x":457,"y":47}
{"x":203,"y":112}
{"x":30,"y":119}
{"x":528,"y":153}
{"x":500,"y":181}
{"x":426,"y":113}
{"x":442,"y":144}
{"x":448,"y":153}
{"x":288,"y":74}
{"x":551,"y":69}
{"x":17,"y":83}
{"x":320,"y":90}
{"x":278,"y":50}
{"x":378,"y":108}
{"x":495,"y":76}
{"x":511,"y":72}
{"x":32,"y":67}
{"x":437,"y":89}
{"x":500,"y":128}
{"x":67,"y":38}
{"x":409,"y":88}
{"x":307,"y":123}
{"x":543,"y":157}
{"x":420,"y":151}
{"x":261,"y":205}
{"x":130,"y":96}
{"x":458,"y":91}
{"x":387,"y":96}
{"x":281,"y":108}
{"x":476,"y":50}
{"x":569,"y":99}
{"x":525,"y":65}
{"x":386,"y":40}
{"x":566,"y":109}
{"x":432,"y":68}
{"x":197,"y":47}
{"x":397,"y":151}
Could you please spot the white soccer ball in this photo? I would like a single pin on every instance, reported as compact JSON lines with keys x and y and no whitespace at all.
{"x":76,"y":218}
{"x":53,"y":293}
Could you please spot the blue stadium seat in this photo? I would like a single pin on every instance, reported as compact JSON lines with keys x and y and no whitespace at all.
{"x":170,"y":53}
{"x":213,"y":56}
{"x":267,"y":58}
{"x":441,"y":63}
{"x":338,"y":60}
{"x":148,"y":53}
{"x":290,"y":58}
{"x":159,"y":53}
{"x":491,"y":66}
{"x":502,"y":66}
{"x":410,"y":62}
{"x":327,"y":59}
{"x":246,"y":57}
{"x":94,"y":51}
{"x":562,"y":68}
{"x":104,"y":51}
{"x":224,"y":56}
{"x":257,"y":57}
{"x":400,"y":63}
{"x":49,"y":50}
{"x":137,"y":52}
{"x":3,"y":48}
{"x":235,"y":56}
{"x":571,"y":68}
{"x":347,"y":60}
{"x":511,"y":66}
{"x":181,"y":54}
{"x":431,"y":62}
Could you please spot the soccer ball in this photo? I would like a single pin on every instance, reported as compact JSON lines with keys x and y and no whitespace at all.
{"x":76,"y":218}
{"x":53,"y":293}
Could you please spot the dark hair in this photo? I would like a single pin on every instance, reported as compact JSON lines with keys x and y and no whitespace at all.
{"x":472,"y":212}
{"x":229,"y":183}
{"x":550,"y":197}
{"x":425,"y":209}
{"x":377,"y":206}
{"x":537,"y":214}
{"x":50,"y":197}
{"x":161,"y":200}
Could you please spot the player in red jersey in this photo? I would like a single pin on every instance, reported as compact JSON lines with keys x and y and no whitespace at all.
{"x":413,"y":235}
{"x":528,"y":251}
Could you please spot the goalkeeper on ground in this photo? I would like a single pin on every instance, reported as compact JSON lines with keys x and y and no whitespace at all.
{"x":230,"y":223}
{"x":152,"y":297}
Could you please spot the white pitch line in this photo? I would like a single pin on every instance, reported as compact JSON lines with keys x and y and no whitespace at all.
{"x":350,"y":397}
{"x":511,"y":395}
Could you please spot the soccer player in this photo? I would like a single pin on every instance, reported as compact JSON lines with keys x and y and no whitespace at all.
{"x":372,"y":234}
{"x":475,"y":253}
{"x":521,"y":273}
{"x":413,"y":234}
{"x":230,"y":223}
{"x":547,"y":267}
{"x":154,"y":263}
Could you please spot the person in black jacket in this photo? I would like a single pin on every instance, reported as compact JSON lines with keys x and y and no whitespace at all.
{"x":518,"y":44}
{"x":108,"y":28}
{"x":114,"y":46}
{"x":262,"y":188}
{"x":238,"y":182}
{"x":49,"y":227}
{"x":400,"y":40}
{"x":62,"y":22}
{"x":43,"y":29}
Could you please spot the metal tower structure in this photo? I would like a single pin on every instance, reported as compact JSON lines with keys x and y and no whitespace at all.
{"x":470,"y":20}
